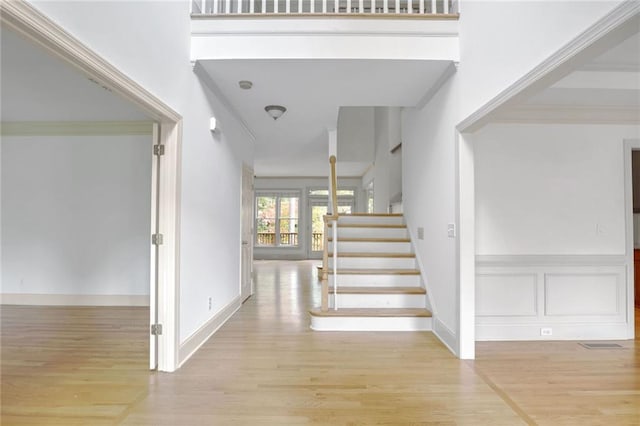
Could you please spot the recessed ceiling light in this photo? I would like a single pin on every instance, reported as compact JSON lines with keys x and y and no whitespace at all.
{"x":245,"y":84}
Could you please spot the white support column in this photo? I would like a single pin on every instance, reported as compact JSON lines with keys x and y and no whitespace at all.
{"x":466,"y":248}
{"x":361,"y":6}
{"x":324,"y":6}
{"x":385,"y":8}
{"x":336,"y":6}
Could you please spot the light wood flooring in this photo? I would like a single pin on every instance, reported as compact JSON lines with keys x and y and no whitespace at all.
{"x":87,"y":366}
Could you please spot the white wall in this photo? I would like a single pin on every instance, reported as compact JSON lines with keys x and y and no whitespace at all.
{"x":356,"y":134}
{"x":550,"y":189}
{"x":76,"y":215}
{"x":429,"y":200}
{"x":387,"y":168}
{"x":550,"y":231}
{"x":151,"y":45}
{"x":522,"y":35}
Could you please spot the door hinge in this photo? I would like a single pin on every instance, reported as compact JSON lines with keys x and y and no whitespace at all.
{"x":156,"y":329}
{"x":156,"y":239}
{"x":158,"y":150}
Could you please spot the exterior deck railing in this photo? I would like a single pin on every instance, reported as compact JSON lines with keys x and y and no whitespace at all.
{"x":323,"y":7}
{"x":288,"y":239}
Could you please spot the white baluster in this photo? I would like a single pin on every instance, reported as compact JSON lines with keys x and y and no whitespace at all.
{"x":434,"y":8}
{"x":216,"y":5}
{"x":397,"y":6}
{"x":287,"y":6}
{"x":324,"y":6}
{"x":421,"y":6}
{"x":252,"y":6}
{"x":312,"y":6}
{"x":336,"y":6}
{"x":373,"y":6}
{"x":227,"y":6}
{"x":446,"y":6}
{"x":409,"y":6}
{"x":361,"y":6}
{"x":239,"y":9}
{"x":348,"y":6}
{"x":299,"y":6}
{"x":385,"y":6}
{"x":275,"y":6}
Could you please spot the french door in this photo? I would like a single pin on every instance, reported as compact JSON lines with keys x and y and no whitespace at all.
{"x":317,"y":209}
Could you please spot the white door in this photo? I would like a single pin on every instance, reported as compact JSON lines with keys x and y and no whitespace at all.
{"x":246,"y":289}
{"x":154,"y":264}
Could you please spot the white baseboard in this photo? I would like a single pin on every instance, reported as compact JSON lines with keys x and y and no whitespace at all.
{"x":529,"y":332}
{"x":199,"y":337}
{"x":446,"y":336}
{"x":74,"y":299}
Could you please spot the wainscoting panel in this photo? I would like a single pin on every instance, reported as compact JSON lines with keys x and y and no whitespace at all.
{"x":506,"y":294}
{"x":582,"y":294}
{"x":551,"y":297}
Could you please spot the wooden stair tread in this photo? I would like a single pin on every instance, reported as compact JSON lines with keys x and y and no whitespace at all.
{"x":369,"y":225}
{"x":372,"y":240}
{"x":369,"y":271}
{"x":373,"y":254}
{"x":373,"y":214}
{"x":372,"y":312}
{"x":378,"y":290}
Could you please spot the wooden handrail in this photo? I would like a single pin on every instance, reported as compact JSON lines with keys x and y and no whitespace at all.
{"x":332,"y":217}
{"x":334,"y":186}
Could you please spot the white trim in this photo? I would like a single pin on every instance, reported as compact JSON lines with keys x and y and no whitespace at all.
{"x":446,"y":336}
{"x":421,"y":268}
{"x":629,"y":146}
{"x":76,"y":128}
{"x":622,"y":21}
{"x":562,"y":114}
{"x":22,"y":17}
{"x":200,"y":336}
{"x":74,"y":299}
{"x":446,"y":74}
{"x":551,"y":260}
{"x":465,"y":247}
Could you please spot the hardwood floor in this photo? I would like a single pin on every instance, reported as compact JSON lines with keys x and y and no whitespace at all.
{"x":265,"y":367}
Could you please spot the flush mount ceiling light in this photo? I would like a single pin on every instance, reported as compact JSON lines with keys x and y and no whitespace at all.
{"x":245,"y":84}
{"x":275,"y":111}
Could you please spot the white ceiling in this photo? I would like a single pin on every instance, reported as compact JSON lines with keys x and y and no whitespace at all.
{"x":313,"y":91}
{"x":38,"y":87}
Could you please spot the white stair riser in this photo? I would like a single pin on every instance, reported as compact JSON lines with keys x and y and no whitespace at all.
{"x":382,"y":220}
{"x":374,"y":262}
{"x":371,"y":247}
{"x":345,"y":232}
{"x":371,"y":323}
{"x":373,"y":280}
{"x":379,"y":300}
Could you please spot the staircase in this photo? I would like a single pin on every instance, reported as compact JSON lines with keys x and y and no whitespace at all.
{"x":378,"y":283}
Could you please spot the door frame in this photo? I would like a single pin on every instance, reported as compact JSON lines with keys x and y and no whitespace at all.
{"x":630,"y":145}
{"x":23,"y":18}
{"x":246,"y":244}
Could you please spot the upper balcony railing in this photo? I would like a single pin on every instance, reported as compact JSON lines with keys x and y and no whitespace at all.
{"x":323,"y":7}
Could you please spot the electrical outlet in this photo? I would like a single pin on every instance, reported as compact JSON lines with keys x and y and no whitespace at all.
{"x":546,"y":331}
{"x":451,"y":230}
{"x":420,"y":233}
{"x":210,"y":303}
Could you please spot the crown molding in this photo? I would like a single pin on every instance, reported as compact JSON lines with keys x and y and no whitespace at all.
{"x":570,"y":114}
{"x":76,"y":128}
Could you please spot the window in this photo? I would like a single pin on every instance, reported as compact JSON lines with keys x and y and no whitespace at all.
{"x":325,"y":192}
{"x":277,"y":220}
{"x":369,"y":189}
